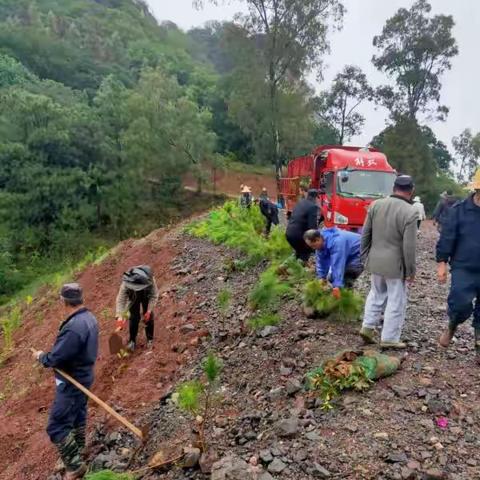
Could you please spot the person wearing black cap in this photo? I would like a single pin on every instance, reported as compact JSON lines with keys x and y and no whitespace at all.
{"x":75,"y":352}
{"x":388,"y":249}
{"x":137,"y":296}
{"x":304,"y":217}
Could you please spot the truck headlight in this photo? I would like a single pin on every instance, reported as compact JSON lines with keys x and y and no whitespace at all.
{"x":340,"y":219}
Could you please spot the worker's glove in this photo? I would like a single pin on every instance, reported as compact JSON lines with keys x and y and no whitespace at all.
{"x":336,"y":292}
{"x":147,"y":316}
{"x":120,"y":324}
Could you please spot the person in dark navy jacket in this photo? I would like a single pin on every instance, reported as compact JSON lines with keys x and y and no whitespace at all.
{"x":75,"y":352}
{"x":459,"y":245}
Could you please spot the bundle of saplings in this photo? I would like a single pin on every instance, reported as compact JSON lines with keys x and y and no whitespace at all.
{"x":349,"y":369}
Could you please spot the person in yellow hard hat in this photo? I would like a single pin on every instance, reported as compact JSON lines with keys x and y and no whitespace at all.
{"x":459,"y":245}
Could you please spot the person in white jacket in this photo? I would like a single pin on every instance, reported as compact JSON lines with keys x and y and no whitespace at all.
{"x":419,"y":207}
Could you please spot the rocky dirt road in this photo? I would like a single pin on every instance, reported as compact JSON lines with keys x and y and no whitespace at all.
{"x":266,"y":427}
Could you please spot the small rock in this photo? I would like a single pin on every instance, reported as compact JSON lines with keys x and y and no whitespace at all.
{"x":253,"y":461}
{"x":435,"y":474}
{"x":191,"y":457}
{"x":381,"y":435}
{"x":293,"y":386}
{"x":277,"y":466}
{"x":285,"y":371}
{"x":207,"y":460}
{"x":288,"y":427}
{"x":413,"y":465}
{"x":318,"y":471}
{"x":312,"y":436}
{"x":472,"y":462}
{"x":265,"y":476}
{"x":407,"y":474}
{"x":276,"y":393}
{"x":188,"y":328}
{"x":266,"y":456}
{"x":397,"y":457}
{"x":268,"y":331}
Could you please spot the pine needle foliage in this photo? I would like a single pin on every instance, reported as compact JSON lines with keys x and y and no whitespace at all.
{"x":189,"y":396}
{"x":224,"y":298}
{"x":319,"y":297}
{"x":108,"y":475}
{"x":269,"y":290}
{"x":242,"y":229}
{"x":264,"y":320}
{"x":212,"y":367}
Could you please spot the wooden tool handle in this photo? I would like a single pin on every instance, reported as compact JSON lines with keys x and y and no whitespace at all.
{"x":106,"y":407}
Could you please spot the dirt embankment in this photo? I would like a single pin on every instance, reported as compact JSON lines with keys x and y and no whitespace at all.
{"x":132,"y":385}
{"x":229,"y":182}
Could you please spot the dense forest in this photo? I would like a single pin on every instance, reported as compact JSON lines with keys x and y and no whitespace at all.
{"x":103,"y":109}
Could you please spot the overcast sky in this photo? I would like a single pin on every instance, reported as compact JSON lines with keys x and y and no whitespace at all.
{"x":353,"y":45}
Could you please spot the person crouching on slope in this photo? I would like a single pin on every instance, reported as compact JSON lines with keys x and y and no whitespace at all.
{"x":75,"y":352}
{"x":337,"y":256}
{"x":138,"y":296}
{"x":459,"y":245}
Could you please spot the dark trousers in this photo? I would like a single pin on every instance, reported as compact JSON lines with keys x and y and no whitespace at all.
{"x":270,"y":220}
{"x":302,"y":250}
{"x":351,"y":275}
{"x":464,"y":298}
{"x":68,"y":412}
{"x":137,"y":310}
{"x":419,"y":223}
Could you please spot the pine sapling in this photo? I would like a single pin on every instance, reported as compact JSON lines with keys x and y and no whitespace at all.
{"x":197,"y":397}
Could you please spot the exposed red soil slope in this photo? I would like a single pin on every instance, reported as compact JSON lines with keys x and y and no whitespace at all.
{"x":229,"y":182}
{"x":132,"y":385}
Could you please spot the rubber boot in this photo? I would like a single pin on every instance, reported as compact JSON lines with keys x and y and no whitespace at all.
{"x":477,"y":345}
{"x":70,"y":455}
{"x":448,"y":335}
{"x":80,"y":434}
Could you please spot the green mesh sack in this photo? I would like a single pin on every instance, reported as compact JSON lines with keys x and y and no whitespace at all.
{"x":378,"y":365}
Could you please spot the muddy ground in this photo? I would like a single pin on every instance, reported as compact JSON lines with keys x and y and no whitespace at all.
{"x":265,"y":423}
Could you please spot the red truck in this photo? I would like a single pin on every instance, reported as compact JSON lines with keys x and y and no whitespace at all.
{"x":349,"y":179}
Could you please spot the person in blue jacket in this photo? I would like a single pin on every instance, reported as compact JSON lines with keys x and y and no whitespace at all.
{"x":459,"y":245}
{"x":337,"y":256}
{"x":74,"y":352}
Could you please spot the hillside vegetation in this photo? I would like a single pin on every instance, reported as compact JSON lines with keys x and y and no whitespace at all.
{"x":103,"y":110}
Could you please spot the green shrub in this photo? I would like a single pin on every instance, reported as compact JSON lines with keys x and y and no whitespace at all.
{"x":269,"y":290}
{"x":189,"y":395}
{"x":264,"y":320}
{"x":242,"y":229}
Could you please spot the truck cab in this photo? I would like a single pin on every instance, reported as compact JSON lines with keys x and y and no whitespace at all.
{"x":349,"y":179}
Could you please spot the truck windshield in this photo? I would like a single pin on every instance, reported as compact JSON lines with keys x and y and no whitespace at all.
{"x":365,"y":183}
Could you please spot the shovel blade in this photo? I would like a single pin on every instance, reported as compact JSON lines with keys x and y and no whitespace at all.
{"x":115,"y":344}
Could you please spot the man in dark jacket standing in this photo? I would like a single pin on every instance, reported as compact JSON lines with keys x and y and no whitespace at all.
{"x":459,"y":245}
{"x":74,"y":352}
{"x":389,"y":248}
{"x":304,"y":217}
